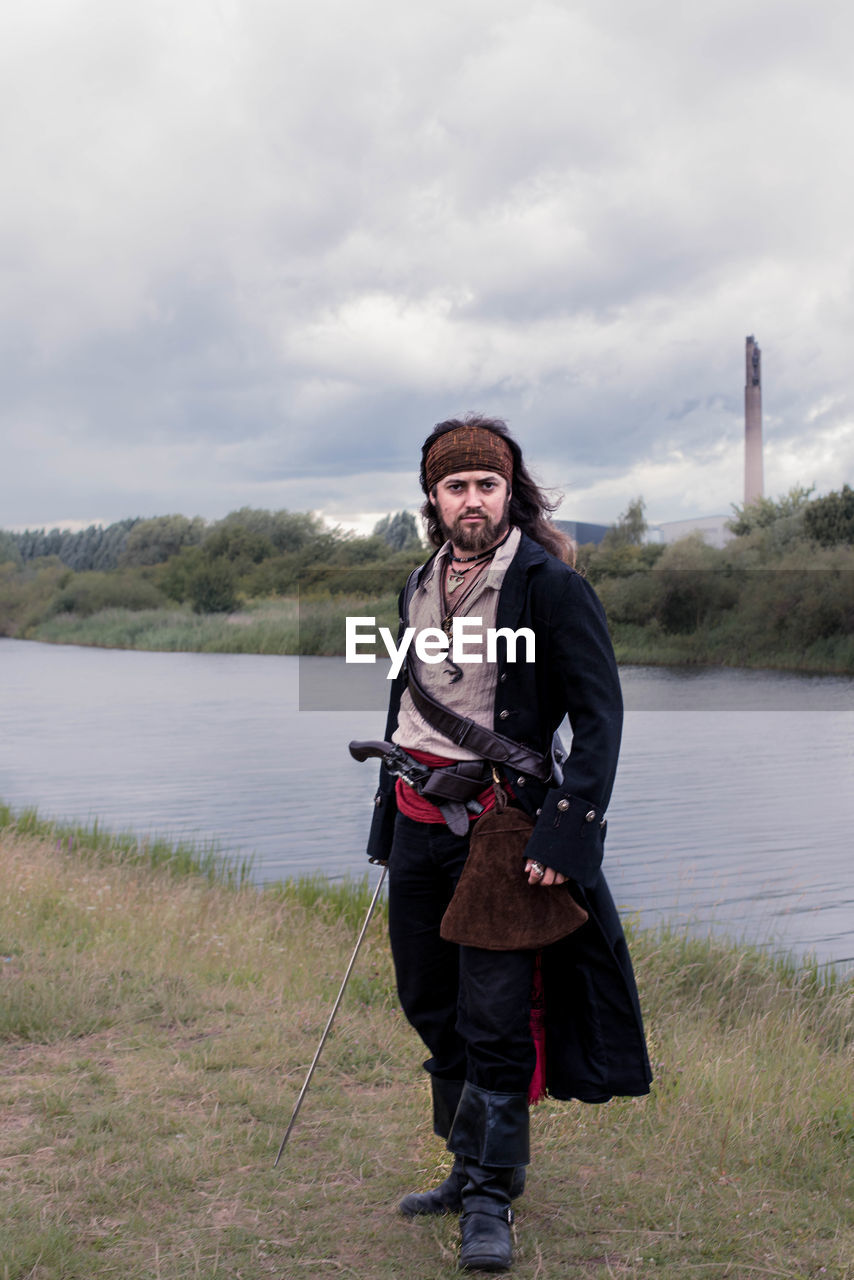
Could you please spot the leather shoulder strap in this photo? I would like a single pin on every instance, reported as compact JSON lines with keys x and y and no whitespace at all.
{"x":466,"y":733}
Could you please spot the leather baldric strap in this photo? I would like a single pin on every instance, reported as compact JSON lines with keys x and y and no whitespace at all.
{"x":474,"y":737}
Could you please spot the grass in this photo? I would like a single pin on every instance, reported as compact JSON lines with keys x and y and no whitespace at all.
{"x":269,"y":629}
{"x":90,"y":840}
{"x":648,"y":646}
{"x":155,"y":1030}
{"x":310,"y":626}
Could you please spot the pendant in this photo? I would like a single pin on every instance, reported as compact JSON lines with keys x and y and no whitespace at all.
{"x":456,"y":580}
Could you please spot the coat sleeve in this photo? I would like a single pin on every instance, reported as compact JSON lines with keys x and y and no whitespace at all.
{"x":385,"y":801}
{"x":584,"y":682}
{"x":381,"y":833}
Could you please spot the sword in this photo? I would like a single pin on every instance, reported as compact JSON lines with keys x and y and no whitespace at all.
{"x":328,"y":1028}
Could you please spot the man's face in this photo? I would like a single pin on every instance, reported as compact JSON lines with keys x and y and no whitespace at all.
{"x":472,"y":507}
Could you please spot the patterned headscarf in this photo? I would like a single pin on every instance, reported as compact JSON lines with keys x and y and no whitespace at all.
{"x":467,"y":449}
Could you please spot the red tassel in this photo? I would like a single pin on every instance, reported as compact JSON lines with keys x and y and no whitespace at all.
{"x":537,"y":1087}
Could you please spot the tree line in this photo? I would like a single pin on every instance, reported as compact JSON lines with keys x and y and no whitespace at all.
{"x":94,"y":548}
{"x":783,"y":586}
{"x":174,"y":559}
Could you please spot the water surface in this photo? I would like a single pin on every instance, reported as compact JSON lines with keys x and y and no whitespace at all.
{"x":733,"y":807}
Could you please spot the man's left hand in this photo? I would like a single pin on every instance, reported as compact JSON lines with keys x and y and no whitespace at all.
{"x":538,"y":874}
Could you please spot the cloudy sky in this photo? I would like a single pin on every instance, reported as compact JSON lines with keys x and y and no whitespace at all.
{"x":251,"y":250}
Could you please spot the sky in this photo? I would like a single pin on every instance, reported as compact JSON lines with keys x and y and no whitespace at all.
{"x":251,"y":250}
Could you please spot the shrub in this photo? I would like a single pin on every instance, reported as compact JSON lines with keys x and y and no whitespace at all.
{"x":88,"y":593}
{"x":763,"y":512}
{"x":212,"y":587}
{"x":830,"y":520}
{"x":692,"y":585}
{"x":629,"y":599}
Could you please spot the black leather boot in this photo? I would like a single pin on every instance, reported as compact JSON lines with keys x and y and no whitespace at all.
{"x":490,"y":1132}
{"x":486,"y":1219}
{"x":447,"y":1197}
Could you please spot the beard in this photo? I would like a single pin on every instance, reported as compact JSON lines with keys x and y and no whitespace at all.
{"x":478,"y":537}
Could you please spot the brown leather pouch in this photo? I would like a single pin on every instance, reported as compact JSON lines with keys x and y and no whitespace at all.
{"x":493,"y":906}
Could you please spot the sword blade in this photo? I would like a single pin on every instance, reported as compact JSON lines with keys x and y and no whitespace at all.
{"x":328,"y":1028}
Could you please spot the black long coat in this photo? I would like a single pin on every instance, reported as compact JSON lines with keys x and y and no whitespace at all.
{"x":595,"y":1044}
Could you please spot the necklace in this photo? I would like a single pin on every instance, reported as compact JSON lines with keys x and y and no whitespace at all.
{"x":456,"y":577}
{"x":480,"y":555}
{"x":451,"y":586}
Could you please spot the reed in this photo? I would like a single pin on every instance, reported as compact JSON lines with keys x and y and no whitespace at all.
{"x":91,"y":840}
{"x":726,"y":644}
{"x":309,"y":626}
{"x":345,"y":900}
{"x":272,"y":629}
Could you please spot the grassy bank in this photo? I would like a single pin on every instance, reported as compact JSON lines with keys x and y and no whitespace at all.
{"x":155,"y":1030}
{"x":716,"y":647}
{"x":313,"y":626}
{"x":317,"y":627}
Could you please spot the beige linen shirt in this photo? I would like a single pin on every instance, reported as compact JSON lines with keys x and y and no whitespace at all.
{"x":474,"y":694}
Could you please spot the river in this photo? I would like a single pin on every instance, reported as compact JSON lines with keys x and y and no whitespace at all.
{"x":733,"y":808}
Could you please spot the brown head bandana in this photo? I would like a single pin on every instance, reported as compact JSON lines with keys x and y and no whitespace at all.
{"x":468,"y":449}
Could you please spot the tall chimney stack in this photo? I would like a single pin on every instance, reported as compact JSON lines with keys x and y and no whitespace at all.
{"x":753,"y":482}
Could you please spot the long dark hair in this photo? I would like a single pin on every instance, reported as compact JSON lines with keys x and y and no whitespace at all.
{"x":530,"y":508}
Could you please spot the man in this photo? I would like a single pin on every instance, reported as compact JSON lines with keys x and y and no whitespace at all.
{"x":499,"y":559}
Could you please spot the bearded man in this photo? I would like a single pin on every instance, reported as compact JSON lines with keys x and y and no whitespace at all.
{"x":500,"y":559}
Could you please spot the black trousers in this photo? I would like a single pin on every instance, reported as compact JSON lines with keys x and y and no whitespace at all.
{"x":471,"y":1007}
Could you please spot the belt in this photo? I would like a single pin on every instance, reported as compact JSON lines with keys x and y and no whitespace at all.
{"x":453,"y":788}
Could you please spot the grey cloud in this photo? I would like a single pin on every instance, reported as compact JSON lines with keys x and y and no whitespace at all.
{"x":257,"y":249}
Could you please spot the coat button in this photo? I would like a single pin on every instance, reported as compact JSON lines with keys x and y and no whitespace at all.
{"x":563,"y":805}
{"x":520,"y":782}
{"x":590,"y":815}
{"x":377,"y":800}
{"x":502,"y":677}
{"x":539,"y":811}
{"x":502,"y":715}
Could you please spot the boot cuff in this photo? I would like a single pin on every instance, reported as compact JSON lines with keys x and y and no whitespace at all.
{"x":491,"y":1128}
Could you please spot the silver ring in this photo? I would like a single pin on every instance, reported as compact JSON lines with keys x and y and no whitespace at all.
{"x":538,"y":870}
